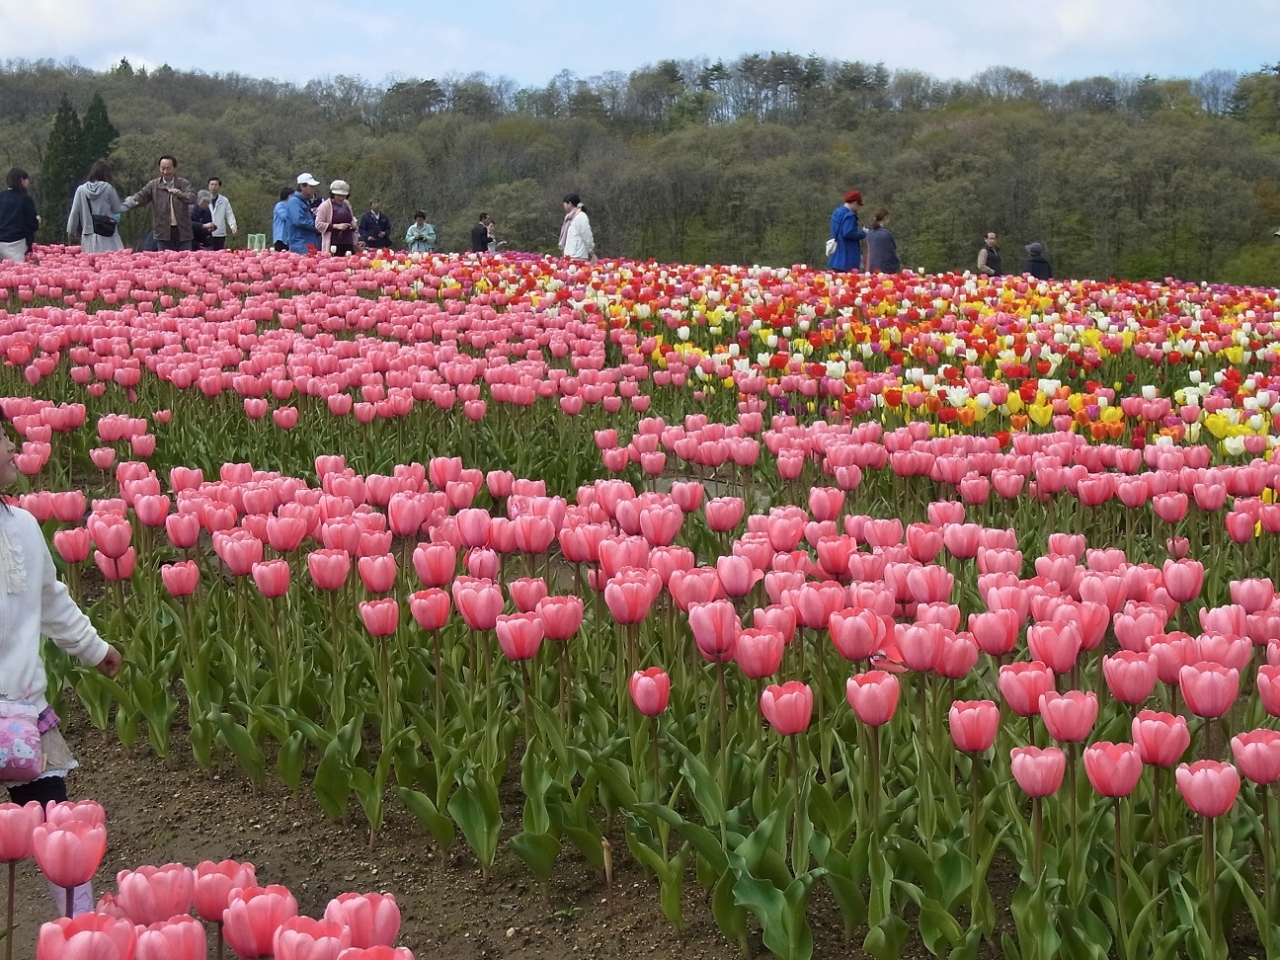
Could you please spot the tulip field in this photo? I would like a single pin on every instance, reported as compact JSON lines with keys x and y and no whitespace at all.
{"x":946,"y":602}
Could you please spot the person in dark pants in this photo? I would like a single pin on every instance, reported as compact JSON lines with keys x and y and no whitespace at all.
{"x":989,"y":257}
{"x":35,"y":603}
{"x":847,"y":234}
{"x":171,"y":199}
{"x":1036,"y":264}
{"x":481,"y":236}
{"x":18,"y":219}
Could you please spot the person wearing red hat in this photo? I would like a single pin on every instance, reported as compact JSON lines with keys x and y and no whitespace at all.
{"x":847,"y":235}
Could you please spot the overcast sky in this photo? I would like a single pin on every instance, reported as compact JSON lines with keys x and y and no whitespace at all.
{"x":531,"y":41}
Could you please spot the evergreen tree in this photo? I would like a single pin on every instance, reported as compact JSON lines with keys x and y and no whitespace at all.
{"x":60,"y":171}
{"x":97,"y":135}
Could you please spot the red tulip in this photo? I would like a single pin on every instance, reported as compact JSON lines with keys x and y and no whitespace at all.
{"x":17,"y":824}
{"x":1209,"y":688}
{"x":1209,"y":787}
{"x":1161,"y":738}
{"x":1113,"y":768}
{"x":1038,"y":772}
{"x":381,"y":617}
{"x":178,"y":938}
{"x":787,"y":707}
{"x":1257,"y":754}
{"x":650,"y":690}
{"x":873,"y":696}
{"x":302,"y":938}
{"x":372,"y":918}
{"x":214,"y":883}
{"x":90,"y":936}
{"x":974,"y":724}
{"x":253,"y":916}
{"x":154,"y":894}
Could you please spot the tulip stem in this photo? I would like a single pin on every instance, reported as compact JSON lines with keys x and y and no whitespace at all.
{"x":8,"y":917}
{"x":1211,"y":868}
{"x":723,"y":743}
{"x":1119,"y":879}
{"x":71,"y":902}
{"x":1037,"y":826}
{"x":220,"y":940}
{"x":802,"y":865}
{"x":974,"y":823}
{"x":657,"y":784}
{"x":875,"y":778}
{"x":1266,"y":851}
{"x":439,"y":697}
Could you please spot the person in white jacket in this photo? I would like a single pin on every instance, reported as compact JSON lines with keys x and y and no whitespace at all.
{"x":35,"y":603}
{"x":576,"y":241}
{"x":224,"y":218}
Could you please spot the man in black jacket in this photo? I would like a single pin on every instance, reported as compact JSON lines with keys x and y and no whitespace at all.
{"x":375,"y":227}
{"x":481,"y":236}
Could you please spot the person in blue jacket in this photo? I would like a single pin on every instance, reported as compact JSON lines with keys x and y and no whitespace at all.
{"x":847,"y":234}
{"x":280,"y":221}
{"x":300,"y":220}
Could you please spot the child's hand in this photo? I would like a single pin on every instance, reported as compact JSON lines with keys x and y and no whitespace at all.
{"x":110,"y":664}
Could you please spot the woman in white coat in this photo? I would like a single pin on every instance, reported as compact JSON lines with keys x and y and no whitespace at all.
{"x":576,"y":241}
{"x":95,"y":196}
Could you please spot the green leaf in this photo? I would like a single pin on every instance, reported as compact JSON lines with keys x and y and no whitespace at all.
{"x":538,"y":851}
{"x":292,"y":760}
{"x":333,"y":780}
{"x":884,"y":941}
{"x":730,"y":917}
{"x":438,"y":825}
{"x":475,"y":809}
{"x":238,"y":740}
{"x":706,"y":843}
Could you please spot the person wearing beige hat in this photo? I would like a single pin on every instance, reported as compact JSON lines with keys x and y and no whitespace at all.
{"x":336,"y":221}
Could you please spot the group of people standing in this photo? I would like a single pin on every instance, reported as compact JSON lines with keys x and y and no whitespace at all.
{"x":845,"y":248}
{"x":304,"y":222}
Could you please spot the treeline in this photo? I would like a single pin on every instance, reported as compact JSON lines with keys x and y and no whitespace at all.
{"x":697,"y":161}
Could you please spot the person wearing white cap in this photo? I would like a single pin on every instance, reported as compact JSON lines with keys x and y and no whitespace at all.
{"x":336,"y":221}
{"x":299,"y":221}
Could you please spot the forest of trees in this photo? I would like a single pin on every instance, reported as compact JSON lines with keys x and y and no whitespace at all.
{"x":739,"y":162}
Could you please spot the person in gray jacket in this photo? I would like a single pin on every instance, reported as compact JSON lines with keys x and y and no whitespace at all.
{"x":97,"y":196}
{"x":882,"y":249}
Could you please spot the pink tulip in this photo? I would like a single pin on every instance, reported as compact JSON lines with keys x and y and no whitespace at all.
{"x":272,"y":578}
{"x":372,"y":918}
{"x":253,"y":916}
{"x":520,"y":636}
{"x":974,"y":724}
{"x":1038,"y":772}
{"x":1269,"y":687}
{"x":628,"y":595}
{"x":1069,"y":716}
{"x":1209,"y":688}
{"x":1022,"y":684}
{"x":1131,"y":677}
{"x":379,"y":952}
{"x":69,"y":854}
{"x":873,"y":696}
{"x":715,"y":627}
{"x":650,"y":690}
{"x":561,"y":616}
{"x":329,"y":568}
{"x":478,"y":602}
{"x":1161,"y":738}
{"x":178,"y":938}
{"x":758,"y":653}
{"x":154,"y":894}
{"x":302,"y":938}
{"x":1113,"y":768}
{"x":17,"y":825}
{"x":430,"y":608}
{"x":1209,"y":787}
{"x":90,"y":936}
{"x":1183,"y":579}
{"x":214,"y":883}
{"x":378,"y":573}
{"x":181,"y":578}
{"x":788,"y":707}
{"x":381,"y":617}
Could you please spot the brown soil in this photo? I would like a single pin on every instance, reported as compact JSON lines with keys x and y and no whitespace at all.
{"x":163,"y":811}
